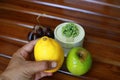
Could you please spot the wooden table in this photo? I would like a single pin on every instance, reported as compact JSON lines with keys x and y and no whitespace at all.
{"x":100,"y":19}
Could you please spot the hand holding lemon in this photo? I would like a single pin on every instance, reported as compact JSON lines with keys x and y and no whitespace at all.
{"x":50,"y":50}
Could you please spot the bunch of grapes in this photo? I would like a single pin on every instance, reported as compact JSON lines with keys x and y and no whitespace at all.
{"x":39,"y":31}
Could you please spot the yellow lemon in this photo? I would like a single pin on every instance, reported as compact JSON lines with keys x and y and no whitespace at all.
{"x":48,"y":49}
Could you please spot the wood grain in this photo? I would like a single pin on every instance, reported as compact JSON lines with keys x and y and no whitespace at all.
{"x":99,"y":18}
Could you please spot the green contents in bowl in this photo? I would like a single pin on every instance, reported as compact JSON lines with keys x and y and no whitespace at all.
{"x":70,"y":30}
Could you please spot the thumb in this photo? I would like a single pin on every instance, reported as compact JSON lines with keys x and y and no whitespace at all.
{"x":34,"y":67}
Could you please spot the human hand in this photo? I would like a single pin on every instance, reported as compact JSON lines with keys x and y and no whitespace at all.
{"x":20,"y":68}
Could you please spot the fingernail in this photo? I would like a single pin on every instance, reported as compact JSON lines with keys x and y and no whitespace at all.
{"x":53,"y":64}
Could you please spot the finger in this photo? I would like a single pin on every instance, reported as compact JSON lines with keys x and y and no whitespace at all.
{"x":40,"y":75}
{"x":35,"y":67}
{"x":29,"y":47}
{"x":26,"y":49}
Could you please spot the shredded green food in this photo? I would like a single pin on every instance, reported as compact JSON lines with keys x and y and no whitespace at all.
{"x":70,"y":30}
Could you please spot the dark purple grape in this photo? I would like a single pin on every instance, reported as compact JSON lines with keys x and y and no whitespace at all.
{"x":32,"y":36}
{"x":36,"y":33}
{"x":48,"y":32}
{"x":47,"y":29}
{"x":40,"y":32}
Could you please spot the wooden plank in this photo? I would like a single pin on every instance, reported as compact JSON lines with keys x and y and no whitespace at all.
{"x":3,"y":63}
{"x":113,"y":2}
{"x":100,"y":7}
{"x":18,"y":31}
{"x":8,"y":48}
{"x":95,"y":6}
{"x":78,"y":13}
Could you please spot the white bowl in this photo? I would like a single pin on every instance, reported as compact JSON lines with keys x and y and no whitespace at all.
{"x":68,"y":43}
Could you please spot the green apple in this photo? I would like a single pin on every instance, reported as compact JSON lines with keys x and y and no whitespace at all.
{"x":78,"y":61}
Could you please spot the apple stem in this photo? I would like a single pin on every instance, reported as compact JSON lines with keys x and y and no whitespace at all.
{"x":79,"y":54}
{"x":82,"y":55}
